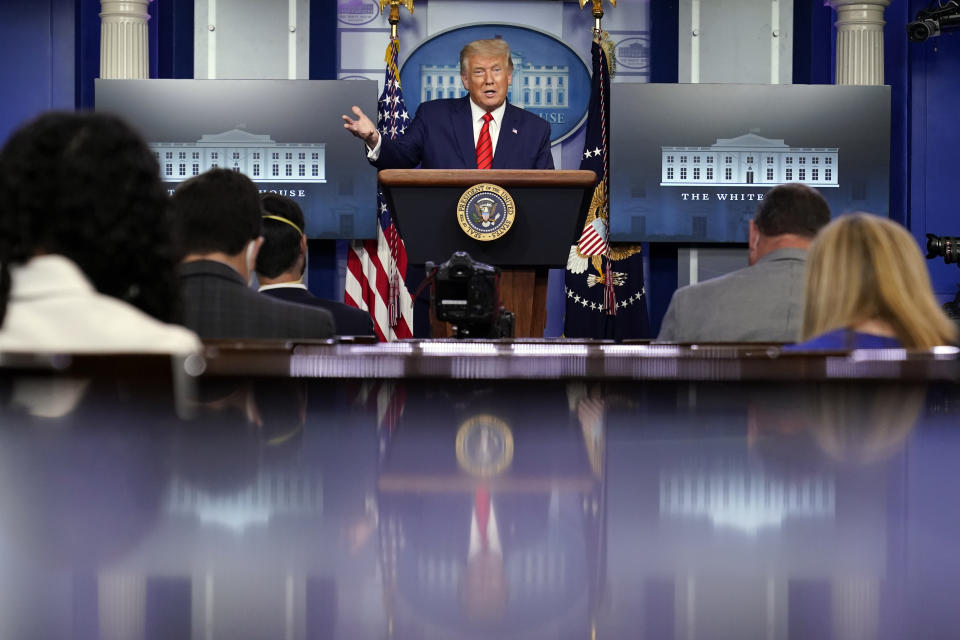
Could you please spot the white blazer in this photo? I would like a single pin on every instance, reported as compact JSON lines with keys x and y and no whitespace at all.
{"x":54,"y":308}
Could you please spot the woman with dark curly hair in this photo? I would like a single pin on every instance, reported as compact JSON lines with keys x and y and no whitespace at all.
{"x":86,"y":260}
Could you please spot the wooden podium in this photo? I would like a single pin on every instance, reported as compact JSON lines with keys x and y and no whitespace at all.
{"x":551,"y":207}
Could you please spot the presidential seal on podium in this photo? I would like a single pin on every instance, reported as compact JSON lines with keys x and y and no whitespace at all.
{"x":486,"y":212}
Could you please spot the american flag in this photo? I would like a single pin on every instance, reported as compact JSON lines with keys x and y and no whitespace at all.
{"x":376,"y":269}
{"x":604,"y":282}
{"x":387,"y":399}
{"x":593,"y":240}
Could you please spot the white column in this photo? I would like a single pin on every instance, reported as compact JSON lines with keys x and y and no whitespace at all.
{"x":121,"y":606}
{"x":856,"y":608}
{"x":124,"y":51}
{"x":860,"y":41}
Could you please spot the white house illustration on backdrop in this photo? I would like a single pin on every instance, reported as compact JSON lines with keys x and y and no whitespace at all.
{"x":257,"y":156}
{"x":748,"y":160}
{"x":538,"y":85}
{"x":749,"y":502}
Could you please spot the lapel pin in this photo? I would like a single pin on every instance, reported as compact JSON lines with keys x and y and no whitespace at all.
{"x":515,"y":131}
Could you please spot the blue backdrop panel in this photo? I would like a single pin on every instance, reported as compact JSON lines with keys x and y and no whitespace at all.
{"x":36,"y":73}
{"x":934,"y":101}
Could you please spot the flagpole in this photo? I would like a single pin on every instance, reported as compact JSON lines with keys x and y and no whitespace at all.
{"x":376,"y":269}
{"x":597,"y":14}
{"x":394,"y":305}
{"x":610,"y":300}
{"x":394,"y":17}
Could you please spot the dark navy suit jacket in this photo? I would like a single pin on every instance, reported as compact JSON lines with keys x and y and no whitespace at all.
{"x":217,"y":303}
{"x":441,"y":137}
{"x":349,"y":321}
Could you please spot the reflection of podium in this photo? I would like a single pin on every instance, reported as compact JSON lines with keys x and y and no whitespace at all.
{"x":495,"y":529}
{"x":551,"y":208}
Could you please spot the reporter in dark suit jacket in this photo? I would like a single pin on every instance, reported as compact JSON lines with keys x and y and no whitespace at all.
{"x":444,"y":133}
{"x":283,"y":259}
{"x":216,"y":226}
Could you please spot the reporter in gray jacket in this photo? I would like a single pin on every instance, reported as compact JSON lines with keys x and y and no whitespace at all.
{"x":764,"y":301}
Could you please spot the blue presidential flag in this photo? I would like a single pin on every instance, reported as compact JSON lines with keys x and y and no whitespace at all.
{"x":605,"y":297}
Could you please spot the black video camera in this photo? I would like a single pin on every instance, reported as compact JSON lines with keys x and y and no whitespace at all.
{"x":946,"y":246}
{"x":930,"y":22}
{"x":949,"y":248}
{"x":466,"y":294}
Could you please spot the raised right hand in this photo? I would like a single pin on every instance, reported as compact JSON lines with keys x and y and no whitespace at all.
{"x":362,"y":127}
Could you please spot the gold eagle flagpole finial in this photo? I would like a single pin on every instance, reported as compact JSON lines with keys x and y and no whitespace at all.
{"x":394,"y":17}
{"x":597,"y":11}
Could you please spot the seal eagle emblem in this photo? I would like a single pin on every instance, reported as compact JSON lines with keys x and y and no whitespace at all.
{"x":486,"y":212}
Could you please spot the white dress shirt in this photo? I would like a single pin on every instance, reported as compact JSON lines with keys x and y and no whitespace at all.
{"x":497,"y":114}
{"x":283,"y":285}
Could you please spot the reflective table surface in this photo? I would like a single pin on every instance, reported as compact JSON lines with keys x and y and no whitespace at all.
{"x":307,"y":509}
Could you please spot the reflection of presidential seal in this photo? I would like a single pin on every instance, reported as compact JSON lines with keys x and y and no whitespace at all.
{"x":484,"y":445}
{"x":485,"y":212}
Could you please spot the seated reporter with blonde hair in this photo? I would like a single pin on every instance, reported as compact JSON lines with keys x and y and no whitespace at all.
{"x":867,"y":287}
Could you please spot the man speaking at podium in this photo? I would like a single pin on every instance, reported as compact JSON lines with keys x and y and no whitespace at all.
{"x":479,"y":131}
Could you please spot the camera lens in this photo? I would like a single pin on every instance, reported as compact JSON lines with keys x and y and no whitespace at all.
{"x":946,"y":246}
{"x":917,"y":31}
{"x":920,"y":30}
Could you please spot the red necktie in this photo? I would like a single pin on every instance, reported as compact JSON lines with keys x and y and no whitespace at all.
{"x":481,"y":499}
{"x":484,"y":147}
